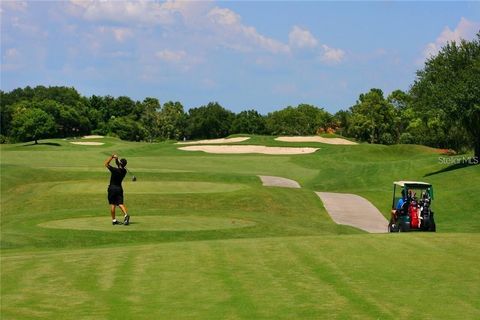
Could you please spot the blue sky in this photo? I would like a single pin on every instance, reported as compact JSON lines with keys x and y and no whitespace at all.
{"x":245,"y":55}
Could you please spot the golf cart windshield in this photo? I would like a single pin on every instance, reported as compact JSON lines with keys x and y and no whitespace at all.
{"x":417,"y":188}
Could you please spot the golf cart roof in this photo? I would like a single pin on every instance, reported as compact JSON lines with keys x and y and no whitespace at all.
{"x":413,"y":184}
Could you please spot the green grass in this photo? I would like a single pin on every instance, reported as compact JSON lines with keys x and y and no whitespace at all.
{"x":208,"y":241}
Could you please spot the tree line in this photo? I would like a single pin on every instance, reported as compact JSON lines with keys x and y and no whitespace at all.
{"x":441,"y":109}
{"x":45,"y":112}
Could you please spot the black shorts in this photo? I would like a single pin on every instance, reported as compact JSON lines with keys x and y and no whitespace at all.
{"x":115,"y":195}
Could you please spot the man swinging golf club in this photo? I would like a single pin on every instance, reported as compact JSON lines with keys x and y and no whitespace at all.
{"x":115,"y":190}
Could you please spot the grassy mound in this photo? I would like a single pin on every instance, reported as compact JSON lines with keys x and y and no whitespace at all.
{"x":150,"y":223}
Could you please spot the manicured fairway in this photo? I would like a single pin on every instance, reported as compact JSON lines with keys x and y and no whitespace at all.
{"x":209,"y":241}
{"x":281,"y":278}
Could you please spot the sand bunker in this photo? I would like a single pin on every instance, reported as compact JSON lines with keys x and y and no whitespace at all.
{"x":150,"y":223}
{"x":88,"y":143}
{"x":217,"y":141}
{"x":316,"y":139}
{"x":271,"y":181}
{"x":92,"y":137}
{"x":237,"y":149}
{"x":353,"y":210}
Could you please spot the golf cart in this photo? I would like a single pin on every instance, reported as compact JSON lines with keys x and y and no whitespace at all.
{"x":411,"y":207}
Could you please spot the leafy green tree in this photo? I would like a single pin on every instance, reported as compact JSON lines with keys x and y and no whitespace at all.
{"x":6,"y":113}
{"x":301,"y":120}
{"x":69,"y":120}
{"x":373,"y":118}
{"x":315,"y":118}
{"x":210,"y":121}
{"x":101,"y":105}
{"x":249,"y":121}
{"x":122,"y":106}
{"x":64,"y":95}
{"x":449,"y":87}
{"x":172,"y":121}
{"x":403,"y":115}
{"x":150,"y":118}
{"x":127,"y":129}
{"x":50,"y":100}
{"x":342,"y":119}
{"x":32,"y":124}
{"x":287,"y":121}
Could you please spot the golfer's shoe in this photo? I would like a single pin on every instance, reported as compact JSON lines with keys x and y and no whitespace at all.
{"x":116,"y":222}
{"x":127,"y":220}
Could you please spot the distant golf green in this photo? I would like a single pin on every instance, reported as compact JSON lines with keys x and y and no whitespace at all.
{"x":209,"y":241}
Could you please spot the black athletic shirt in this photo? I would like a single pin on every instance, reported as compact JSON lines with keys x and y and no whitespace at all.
{"x":117,"y":176}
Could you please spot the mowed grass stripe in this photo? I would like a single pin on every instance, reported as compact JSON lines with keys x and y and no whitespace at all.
{"x":331,"y":274}
{"x":277,"y":278}
{"x":169,"y":187}
{"x":286,"y":289}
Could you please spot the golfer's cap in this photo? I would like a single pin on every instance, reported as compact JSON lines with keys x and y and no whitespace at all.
{"x":123,"y":162}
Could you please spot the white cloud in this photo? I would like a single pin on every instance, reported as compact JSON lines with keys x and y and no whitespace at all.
{"x":119,"y":54}
{"x":121,"y":34}
{"x":11,"y":53}
{"x":171,"y":56}
{"x":225,"y":17}
{"x":235,"y":34}
{"x":27,"y":27}
{"x":195,"y":23}
{"x":332,"y":55}
{"x":301,"y":38}
{"x":465,"y":29}
{"x":179,"y":59}
{"x":118,"y":33}
{"x":13,"y":5}
{"x":142,"y":12}
{"x":221,"y":25}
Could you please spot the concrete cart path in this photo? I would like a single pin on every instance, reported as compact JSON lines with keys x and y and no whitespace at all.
{"x":271,"y":181}
{"x":353,"y":210}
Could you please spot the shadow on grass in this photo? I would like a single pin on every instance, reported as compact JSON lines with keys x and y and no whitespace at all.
{"x":55,"y":144}
{"x":454,"y":167}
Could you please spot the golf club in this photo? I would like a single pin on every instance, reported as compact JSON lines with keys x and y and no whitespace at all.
{"x":134,"y":178}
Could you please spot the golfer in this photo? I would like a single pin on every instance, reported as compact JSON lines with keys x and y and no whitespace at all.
{"x":115,"y":190}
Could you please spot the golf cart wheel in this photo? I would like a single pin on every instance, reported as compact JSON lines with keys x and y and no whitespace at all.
{"x":432,"y":227}
{"x":393,"y":227}
{"x":404,"y":226}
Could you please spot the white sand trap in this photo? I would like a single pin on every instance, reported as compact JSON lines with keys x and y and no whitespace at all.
{"x":217,"y":141}
{"x":272,"y":181}
{"x":353,"y":210}
{"x":316,"y":139}
{"x":236,"y":149}
{"x":88,"y":143}
{"x":92,"y":137}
